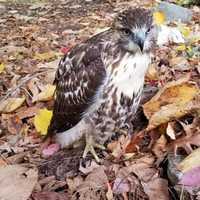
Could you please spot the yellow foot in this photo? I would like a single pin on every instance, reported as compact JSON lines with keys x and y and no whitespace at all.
{"x":90,"y":145}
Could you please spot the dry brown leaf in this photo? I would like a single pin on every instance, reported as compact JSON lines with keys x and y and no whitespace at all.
{"x":94,"y":186}
{"x":118,"y":147}
{"x":180,"y":63}
{"x":28,"y":112}
{"x":17,"y":182}
{"x":174,"y":100}
{"x":11,"y":104}
{"x":143,"y":167}
{"x":49,"y":196}
{"x":159,"y":147}
{"x":157,"y":188}
{"x":137,"y":173}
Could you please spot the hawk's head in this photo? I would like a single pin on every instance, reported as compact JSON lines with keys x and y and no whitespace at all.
{"x":135,"y":30}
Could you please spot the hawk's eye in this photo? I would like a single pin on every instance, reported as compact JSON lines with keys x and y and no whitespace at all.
{"x":126,"y":31}
{"x":149,"y":29}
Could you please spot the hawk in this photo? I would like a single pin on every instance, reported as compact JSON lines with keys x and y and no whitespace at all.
{"x":99,"y":82}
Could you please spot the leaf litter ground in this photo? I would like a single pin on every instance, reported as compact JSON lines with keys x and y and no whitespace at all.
{"x":34,"y":35}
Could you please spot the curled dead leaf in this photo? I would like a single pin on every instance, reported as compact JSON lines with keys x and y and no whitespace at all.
{"x":173,"y":101}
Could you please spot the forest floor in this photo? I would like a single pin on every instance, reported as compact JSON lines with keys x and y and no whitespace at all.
{"x":153,"y":164}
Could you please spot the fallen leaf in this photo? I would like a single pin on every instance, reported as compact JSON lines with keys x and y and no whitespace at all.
{"x":42,"y":120}
{"x":49,"y":196}
{"x":191,"y":161}
{"x":180,"y":63}
{"x":50,"y":150}
{"x":159,"y":17}
{"x":28,"y":112}
{"x":181,"y":47}
{"x":157,"y":188}
{"x":118,"y":148}
{"x":15,"y":125}
{"x":170,"y":131}
{"x":94,"y":186}
{"x":152,"y":73}
{"x":186,"y":143}
{"x":159,"y":147}
{"x":191,"y":178}
{"x":11,"y":104}
{"x":64,"y":50}
{"x":2,"y":67}
{"x":46,"y":94}
{"x":17,"y":182}
{"x":173,"y":101}
{"x":45,"y":56}
{"x":184,"y":30}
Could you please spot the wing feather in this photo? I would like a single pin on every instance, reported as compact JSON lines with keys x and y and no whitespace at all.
{"x":78,"y":77}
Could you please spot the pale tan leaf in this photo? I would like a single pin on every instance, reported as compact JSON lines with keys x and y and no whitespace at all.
{"x":170,"y":131}
{"x":46,"y":94}
{"x":191,"y":161}
{"x":11,"y":104}
{"x":152,"y":72}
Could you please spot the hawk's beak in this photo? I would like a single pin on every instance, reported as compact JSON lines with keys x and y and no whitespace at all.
{"x":139,"y":41}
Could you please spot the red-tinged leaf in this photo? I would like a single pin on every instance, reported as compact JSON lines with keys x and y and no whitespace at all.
{"x":64,"y":50}
{"x":191,"y":178}
{"x":51,"y":149}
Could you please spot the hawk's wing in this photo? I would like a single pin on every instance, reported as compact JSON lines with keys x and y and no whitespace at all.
{"x":78,"y":77}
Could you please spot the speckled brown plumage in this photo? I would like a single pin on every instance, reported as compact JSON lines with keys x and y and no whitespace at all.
{"x":99,"y":82}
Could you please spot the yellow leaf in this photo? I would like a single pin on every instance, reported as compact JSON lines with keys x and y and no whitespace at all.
{"x":159,"y":17}
{"x":184,"y":30}
{"x":2,"y":67}
{"x":11,"y":104}
{"x":174,"y":100}
{"x":191,"y":161}
{"x":42,"y":120}
{"x":181,"y":47}
{"x":45,"y":56}
{"x":46,"y":94}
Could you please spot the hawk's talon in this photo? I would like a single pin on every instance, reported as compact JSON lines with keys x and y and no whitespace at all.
{"x":90,"y":145}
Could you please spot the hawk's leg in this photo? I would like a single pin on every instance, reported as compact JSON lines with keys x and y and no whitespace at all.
{"x":90,"y":145}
